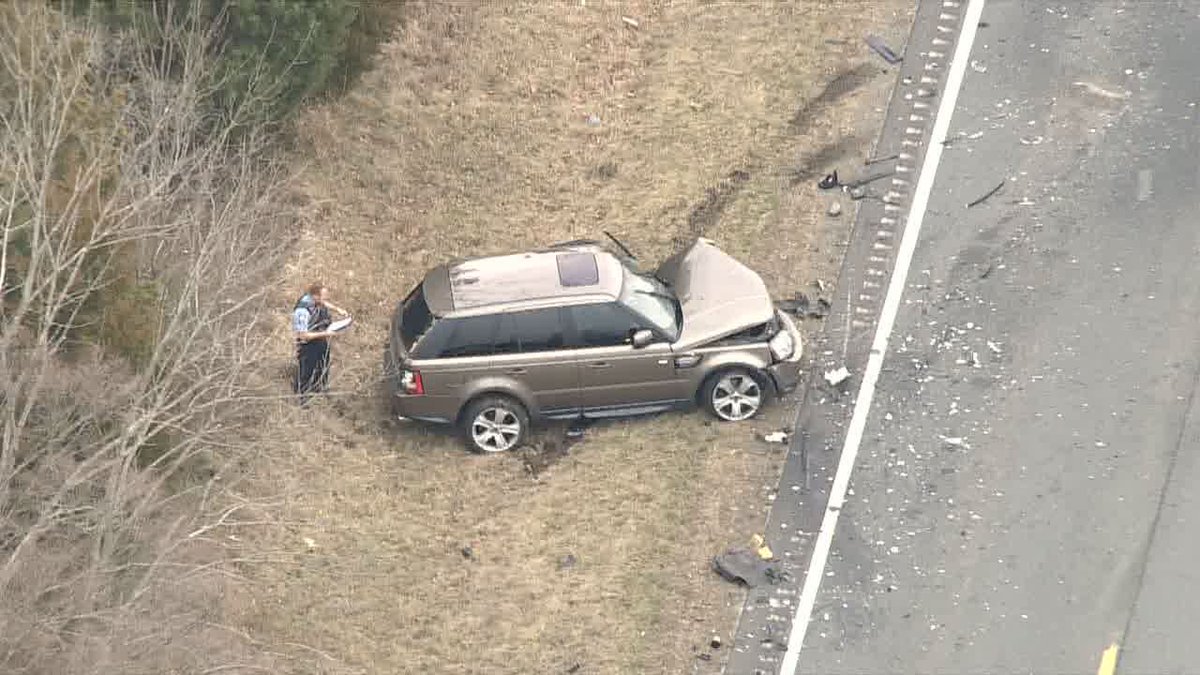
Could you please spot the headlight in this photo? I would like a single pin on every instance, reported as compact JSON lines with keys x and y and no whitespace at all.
{"x":782,"y":345}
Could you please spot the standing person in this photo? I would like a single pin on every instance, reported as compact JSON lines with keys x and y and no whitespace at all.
{"x":310,"y":325}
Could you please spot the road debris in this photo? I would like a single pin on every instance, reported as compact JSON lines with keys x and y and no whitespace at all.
{"x":830,"y":181}
{"x":741,"y":565}
{"x":955,"y":441}
{"x":567,"y":561}
{"x":835,"y":209}
{"x":309,"y":543}
{"x":715,"y":642}
{"x":776,"y":437}
{"x":837,"y":375}
{"x":1097,"y":90}
{"x":988,"y":195}
{"x":978,"y":67}
{"x":860,"y":182}
{"x":877,"y":45}
{"x":994,"y":347}
{"x":877,"y":160}
{"x":629,"y":21}
{"x":820,"y":284}
{"x":575,"y":432}
{"x":468,"y":553}
{"x":592,"y":120}
{"x":799,"y":305}
{"x":759,"y":543}
{"x":1033,"y":140}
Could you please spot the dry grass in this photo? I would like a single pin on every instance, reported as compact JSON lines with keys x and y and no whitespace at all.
{"x":472,"y":137}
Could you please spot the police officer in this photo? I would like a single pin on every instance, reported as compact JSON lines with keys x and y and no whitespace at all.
{"x":310,"y":325}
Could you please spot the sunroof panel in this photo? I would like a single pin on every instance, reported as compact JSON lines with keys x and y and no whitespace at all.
{"x":577,"y":269}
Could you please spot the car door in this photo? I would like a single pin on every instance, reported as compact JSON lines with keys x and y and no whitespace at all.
{"x":529,"y":349}
{"x":614,"y":376}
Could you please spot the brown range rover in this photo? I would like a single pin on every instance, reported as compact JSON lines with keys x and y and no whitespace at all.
{"x":576,"y":330}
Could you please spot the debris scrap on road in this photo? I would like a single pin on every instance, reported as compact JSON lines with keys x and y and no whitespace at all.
{"x":741,"y":565}
{"x":987,"y":195}
{"x":877,"y":45}
{"x":837,"y":375}
{"x":776,"y":437}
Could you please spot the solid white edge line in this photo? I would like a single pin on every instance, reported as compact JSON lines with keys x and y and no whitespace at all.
{"x":887,"y":319}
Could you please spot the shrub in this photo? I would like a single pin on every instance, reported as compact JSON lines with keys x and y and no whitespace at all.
{"x":282,"y":52}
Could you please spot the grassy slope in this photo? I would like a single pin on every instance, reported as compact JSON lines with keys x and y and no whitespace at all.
{"x":471,"y":137}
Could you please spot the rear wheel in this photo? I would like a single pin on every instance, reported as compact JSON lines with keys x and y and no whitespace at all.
{"x":734,"y":394}
{"x":494,"y":424}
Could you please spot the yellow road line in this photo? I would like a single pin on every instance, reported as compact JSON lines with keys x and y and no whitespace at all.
{"x":1108,"y":660}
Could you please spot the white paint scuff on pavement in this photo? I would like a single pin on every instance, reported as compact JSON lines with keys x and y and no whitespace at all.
{"x":887,"y":319}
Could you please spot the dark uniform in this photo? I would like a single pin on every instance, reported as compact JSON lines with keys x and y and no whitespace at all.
{"x":312,"y":373}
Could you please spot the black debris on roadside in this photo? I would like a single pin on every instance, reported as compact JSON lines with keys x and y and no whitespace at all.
{"x":741,"y":565}
{"x":799,"y":305}
{"x":829,"y":182}
{"x":987,"y":195}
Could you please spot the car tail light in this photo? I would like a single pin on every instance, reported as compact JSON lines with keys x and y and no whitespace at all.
{"x":411,"y":383}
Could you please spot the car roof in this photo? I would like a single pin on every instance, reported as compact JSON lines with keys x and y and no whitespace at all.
{"x":524,"y":280}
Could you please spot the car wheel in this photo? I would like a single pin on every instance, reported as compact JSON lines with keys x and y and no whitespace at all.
{"x":494,"y":424}
{"x":734,"y":394}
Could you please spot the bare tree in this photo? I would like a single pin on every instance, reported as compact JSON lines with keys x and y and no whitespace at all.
{"x":122,"y":185}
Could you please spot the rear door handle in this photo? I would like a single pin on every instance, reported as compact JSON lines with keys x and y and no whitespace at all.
{"x":599,"y":364}
{"x":516,"y":371}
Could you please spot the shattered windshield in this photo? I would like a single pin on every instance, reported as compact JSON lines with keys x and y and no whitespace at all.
{"x":654,"y":302}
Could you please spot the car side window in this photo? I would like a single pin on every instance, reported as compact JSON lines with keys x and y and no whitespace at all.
{"x":602,"y":325}
{"x":535,"y":330}
{"x":471,"y":336}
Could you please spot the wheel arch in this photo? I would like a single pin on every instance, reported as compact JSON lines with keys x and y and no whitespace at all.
{"x":502,"y":392}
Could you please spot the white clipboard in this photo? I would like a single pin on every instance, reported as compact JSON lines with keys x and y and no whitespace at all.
{"x":341,"y":324}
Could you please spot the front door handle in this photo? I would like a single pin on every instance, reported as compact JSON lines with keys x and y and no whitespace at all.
{"x":599,"y":364}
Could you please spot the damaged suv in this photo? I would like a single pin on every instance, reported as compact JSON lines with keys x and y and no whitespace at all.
{"x":576,"y":330}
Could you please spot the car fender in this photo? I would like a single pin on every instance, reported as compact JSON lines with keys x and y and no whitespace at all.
{"x":712,"y":362}
{"x":499,"y":385}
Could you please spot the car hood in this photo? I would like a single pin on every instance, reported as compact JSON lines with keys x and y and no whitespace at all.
{"x":719,"y":295}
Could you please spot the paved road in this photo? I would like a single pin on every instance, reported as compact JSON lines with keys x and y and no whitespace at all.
{"x":1028,"y":489}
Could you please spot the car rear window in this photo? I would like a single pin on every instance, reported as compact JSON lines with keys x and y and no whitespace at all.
{"x":414,"y":318}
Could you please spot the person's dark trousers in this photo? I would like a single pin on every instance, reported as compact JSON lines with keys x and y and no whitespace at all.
{"x":312,"y":374}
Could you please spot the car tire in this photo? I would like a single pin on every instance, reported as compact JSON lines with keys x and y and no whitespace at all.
{"x":735,"y":394}
{"x":492,"y":424}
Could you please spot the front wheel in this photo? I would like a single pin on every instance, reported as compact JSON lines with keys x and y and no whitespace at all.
{"x":494,"y":424}
{"x":734,"y":394}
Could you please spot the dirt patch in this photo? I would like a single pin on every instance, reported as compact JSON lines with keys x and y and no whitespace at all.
{"x":494,"y":127}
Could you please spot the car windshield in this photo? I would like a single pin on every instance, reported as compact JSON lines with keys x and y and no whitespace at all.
{"x":653,"y":301}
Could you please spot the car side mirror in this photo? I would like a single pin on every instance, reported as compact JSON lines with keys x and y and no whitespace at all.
{"x":641,"y":337}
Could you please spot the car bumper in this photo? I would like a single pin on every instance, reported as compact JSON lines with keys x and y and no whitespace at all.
{"x":421,"y":408}
{"x":409,"y":408}
{"x":786,"y":373}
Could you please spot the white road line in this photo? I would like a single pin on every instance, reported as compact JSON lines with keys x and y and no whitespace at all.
{"x":887,"y":319}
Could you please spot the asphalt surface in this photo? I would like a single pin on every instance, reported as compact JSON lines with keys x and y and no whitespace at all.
{"x":1027,"y":492}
